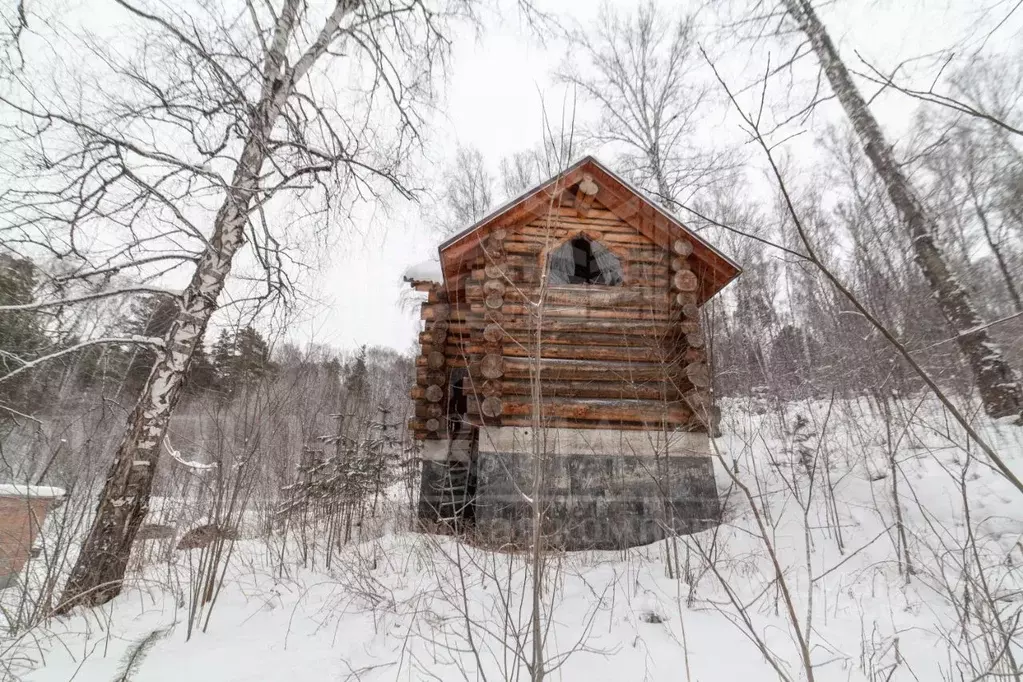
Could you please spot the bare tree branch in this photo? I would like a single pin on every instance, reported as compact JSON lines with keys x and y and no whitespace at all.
{"x":30,"y":364}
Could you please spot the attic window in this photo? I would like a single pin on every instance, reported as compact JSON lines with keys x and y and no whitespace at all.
{"x":582,"y":261}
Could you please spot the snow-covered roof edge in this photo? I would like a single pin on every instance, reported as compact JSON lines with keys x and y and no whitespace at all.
{"x":425,"y":271}
{"x":20,"y":490}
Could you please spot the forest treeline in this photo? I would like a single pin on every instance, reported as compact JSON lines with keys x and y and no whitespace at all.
{"x":65,"y":413}
{"x":238,"y":359}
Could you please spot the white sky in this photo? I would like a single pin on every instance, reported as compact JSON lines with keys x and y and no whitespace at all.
{"x":493,"y":102}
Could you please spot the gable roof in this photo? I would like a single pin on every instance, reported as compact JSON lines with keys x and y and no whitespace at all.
{"x":618,"y":196}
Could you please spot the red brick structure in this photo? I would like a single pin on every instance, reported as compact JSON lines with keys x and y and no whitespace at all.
{"x":22,"y":512}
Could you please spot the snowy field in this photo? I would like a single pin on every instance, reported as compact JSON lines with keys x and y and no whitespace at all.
{"x":926,"y":589}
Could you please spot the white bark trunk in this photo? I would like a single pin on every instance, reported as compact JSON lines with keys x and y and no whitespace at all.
{"x":997,"y":383}
{"x":124,"y":501}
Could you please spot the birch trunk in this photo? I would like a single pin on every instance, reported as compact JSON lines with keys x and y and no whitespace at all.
{"x":124,"y":501}
{"x":997,"y":383}
{"x":996,"y":251}
{"x":97,"y":575}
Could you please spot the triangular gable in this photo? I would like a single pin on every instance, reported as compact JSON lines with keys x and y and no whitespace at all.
{"x":613,"y":192}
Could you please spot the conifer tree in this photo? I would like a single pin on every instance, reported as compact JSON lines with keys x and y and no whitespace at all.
{"x":22,"y":335}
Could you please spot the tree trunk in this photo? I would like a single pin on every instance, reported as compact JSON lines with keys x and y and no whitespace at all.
{"x":97,"y":575}
{"x":996,"y":250}
{"x":997,"y":383}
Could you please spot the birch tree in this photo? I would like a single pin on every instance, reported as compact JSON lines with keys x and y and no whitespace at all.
{"x":468,"y":190}
{"x":520,"y":172}
{"x":642,"y":69}
{"x":971,"y":175}
{"x":997,"y":383}
{"x":187,"y":143}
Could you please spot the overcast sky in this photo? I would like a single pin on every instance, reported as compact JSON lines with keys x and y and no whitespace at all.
{"x":493,"y":102}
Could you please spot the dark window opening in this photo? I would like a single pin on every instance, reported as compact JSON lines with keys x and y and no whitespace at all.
{"x":582,"y":261}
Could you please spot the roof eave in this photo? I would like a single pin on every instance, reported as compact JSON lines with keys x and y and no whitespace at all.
{"x":512,"y":203}
{"x":588,"y":159}
{"x":668,"y":216}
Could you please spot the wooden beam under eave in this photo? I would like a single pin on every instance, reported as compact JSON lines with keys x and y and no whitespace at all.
{"x":718,"y":265}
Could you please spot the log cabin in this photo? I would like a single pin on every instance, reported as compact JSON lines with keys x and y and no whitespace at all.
{"x":563,"y":361}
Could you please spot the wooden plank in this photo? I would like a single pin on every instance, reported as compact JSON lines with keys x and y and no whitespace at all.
{"x":598,"y":410}
{"x":452,"y":362}
{"x":554,"y":311}
{"x":613,"y":353}
{"x":581,"y":331}
{"x":530,"y":248}
{"x":558,"y":423}
{"x":440,"y":312}
{"x":424,"y":287}
{"x":581,"y":339}
{"x":652,"y":351}
{"x":598,"y":296}
{"x":566,"y":226}
{"x":567,"y":212}
{"x":650,"y":390}
{"x":647,"y":255}
{"x":576,"y":370}
{"x":590,"y":296}
{"x":518,"y":326}
{"x":454,"y":337}
{"x":645,"y":275}
{"x":552,"y":237}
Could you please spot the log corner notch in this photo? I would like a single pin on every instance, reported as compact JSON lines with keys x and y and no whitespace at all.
{"x":695,"y":370}
{"x":487,"y":334}
{"x":431,"y":387}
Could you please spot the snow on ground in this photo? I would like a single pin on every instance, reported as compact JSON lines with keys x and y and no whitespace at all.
{"x":418,"y":607}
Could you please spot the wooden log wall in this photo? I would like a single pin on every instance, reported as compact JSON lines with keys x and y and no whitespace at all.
{"x":487,"y":300}
{"x":685,"y":285}
{"x":629,"y":357}
{"x":610,"y":355}
{"x":432,"y":366}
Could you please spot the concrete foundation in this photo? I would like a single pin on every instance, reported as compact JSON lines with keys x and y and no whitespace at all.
{"x":602,"y":489}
